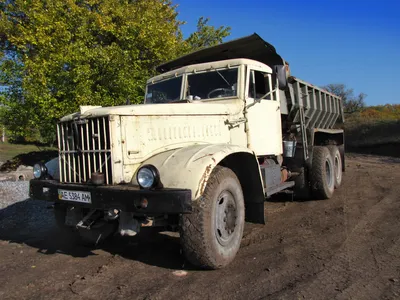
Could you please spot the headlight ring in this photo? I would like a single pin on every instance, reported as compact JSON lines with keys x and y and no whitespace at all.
{"x":148,"y":177}
{"x":39,"y":170}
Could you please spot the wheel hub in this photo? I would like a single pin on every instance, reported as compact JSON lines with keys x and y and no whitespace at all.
{"x":225,"y":217}
{"x":329,"y":176}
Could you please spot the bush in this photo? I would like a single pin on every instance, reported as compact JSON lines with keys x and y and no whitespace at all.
{"x":375,"y":125}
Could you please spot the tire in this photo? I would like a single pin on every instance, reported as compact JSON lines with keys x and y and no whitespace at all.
{"x":322,"y":173}
{"x":97,"y":234}
{"x":338,"y":164}
{"x":211,"y":234}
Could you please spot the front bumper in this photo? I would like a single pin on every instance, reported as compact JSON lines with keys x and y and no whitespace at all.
{"x":124,"y":197}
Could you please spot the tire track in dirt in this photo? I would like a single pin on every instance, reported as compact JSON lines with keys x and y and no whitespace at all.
{"x":350,"y":273}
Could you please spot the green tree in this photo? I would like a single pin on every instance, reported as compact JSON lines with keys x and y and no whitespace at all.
{"x":351,"y":103}
{"x":206,"y":35}
{"x":59,"y":54}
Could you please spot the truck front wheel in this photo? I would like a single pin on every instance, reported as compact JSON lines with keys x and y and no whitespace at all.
{"x":212,"y":233}
{"x":322,"y":175}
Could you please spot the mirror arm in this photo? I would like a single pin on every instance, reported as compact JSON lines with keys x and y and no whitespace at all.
{"x":273,"y":91}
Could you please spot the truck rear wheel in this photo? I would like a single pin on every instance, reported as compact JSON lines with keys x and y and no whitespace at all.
{"x":337,"y":160}
{"x":212,"y":233}
{"x":322,"y":175}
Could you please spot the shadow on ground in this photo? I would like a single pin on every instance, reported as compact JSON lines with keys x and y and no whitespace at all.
{"x":32,"y":223}
{"x":390,"y":150}
{"x":290,"y":197}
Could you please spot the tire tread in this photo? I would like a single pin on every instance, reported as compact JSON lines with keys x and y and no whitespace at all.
{"x":318,"y":178}
{"x":195,"y":226}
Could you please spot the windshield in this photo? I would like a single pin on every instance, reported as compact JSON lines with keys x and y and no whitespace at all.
{"x":213,"y":84}
{"x":165,"y":91}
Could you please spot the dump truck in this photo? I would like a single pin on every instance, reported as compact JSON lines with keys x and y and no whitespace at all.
{"x":220,"y":131}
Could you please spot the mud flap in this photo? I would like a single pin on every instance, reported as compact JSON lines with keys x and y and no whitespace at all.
{"x":255,"y":212}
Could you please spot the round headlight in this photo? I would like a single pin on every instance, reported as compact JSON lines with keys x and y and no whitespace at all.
{"x":39,"y":170}
{"x":147,"y":176}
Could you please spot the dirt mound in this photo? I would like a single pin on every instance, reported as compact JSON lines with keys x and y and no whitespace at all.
{"x":28,"y":159}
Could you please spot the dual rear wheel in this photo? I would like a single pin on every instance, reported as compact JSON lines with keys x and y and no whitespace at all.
{"x":326,"y":171}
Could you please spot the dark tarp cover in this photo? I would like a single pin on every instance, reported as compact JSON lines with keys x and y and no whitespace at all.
{"x":251,"y":47}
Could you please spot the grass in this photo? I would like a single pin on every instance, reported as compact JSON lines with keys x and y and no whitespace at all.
{"x":14,"y":155}
{"x":8,"y":151}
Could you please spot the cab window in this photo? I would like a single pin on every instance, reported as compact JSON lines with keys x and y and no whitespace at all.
{"x":259,"y":85}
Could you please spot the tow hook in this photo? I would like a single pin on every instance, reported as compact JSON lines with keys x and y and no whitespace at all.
{"x":111,"y":214}
{"x":89,"y":219}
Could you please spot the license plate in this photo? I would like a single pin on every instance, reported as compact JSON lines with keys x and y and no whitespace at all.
{"x":77,"y":196}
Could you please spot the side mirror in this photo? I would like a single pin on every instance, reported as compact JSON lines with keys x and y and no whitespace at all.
{"x":280,"y":73}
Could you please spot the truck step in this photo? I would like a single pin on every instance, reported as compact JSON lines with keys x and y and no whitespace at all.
{"x":277,"y":188}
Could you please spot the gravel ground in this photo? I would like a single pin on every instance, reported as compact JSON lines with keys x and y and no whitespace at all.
{"x":12,"y":192}
{"x":17,"y":208}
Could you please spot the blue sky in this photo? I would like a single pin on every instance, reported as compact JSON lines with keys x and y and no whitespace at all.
{"x":355,"y":42}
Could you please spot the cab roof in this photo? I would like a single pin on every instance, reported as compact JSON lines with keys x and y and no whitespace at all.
{"x":251,"y":47}
{"x":207,"y":66}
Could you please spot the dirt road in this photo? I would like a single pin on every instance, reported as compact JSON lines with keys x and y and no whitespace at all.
{"x":344,"y":248}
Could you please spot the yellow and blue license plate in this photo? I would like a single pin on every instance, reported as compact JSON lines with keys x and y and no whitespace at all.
{"x":77,"y":196}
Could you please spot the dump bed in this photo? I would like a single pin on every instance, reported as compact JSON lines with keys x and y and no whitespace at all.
{"x":321,"y":108}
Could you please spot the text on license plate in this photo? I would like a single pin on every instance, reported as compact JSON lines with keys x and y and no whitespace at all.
{"x":77,"y":196}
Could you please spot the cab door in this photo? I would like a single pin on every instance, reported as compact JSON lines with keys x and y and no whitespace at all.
{"x":264,"y":135}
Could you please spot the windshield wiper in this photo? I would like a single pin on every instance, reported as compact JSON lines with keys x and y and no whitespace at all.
{"x":223,"y":78}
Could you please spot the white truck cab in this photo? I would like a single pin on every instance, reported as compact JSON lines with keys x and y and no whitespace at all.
{"x":236,"y":83}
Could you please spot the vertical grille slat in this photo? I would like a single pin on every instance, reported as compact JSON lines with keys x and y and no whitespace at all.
{"x":88,"y":148}
{"x":93,"y":144}
{"x":106,"y":147}
{"x":69,"y":153}
{"x":73,"y":146}
{"x":63,"y":170}
{"x":99,"y":142}
{"x":84,"y":154}
{"x":84,"y":148}
{"x":59,"y":147}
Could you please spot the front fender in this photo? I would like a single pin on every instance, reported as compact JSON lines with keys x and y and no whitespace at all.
{"x":190,"y":167}
{"x":53,"y":168}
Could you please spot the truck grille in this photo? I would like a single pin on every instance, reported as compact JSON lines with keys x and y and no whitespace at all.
{"x":84,"y":147}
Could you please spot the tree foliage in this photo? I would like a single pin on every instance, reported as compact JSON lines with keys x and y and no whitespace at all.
{"x":387,"y":112}
{"x":351,"y":103}
{"x":206,"y":35}
{"x":57,"y":55}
